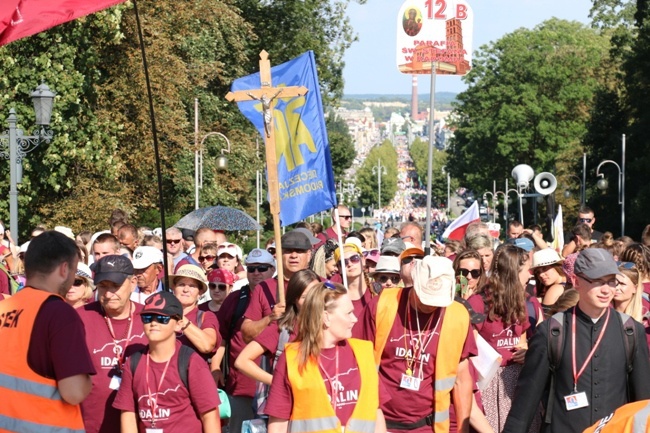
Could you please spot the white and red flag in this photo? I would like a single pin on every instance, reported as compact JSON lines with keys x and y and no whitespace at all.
{"x":456,"y":230}
{"x":22,"y":18}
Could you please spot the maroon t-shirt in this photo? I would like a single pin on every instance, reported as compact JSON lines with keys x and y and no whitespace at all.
{"x":645,"y":304}
{"x":280,"y":401}
{"x":263,"y":299}
{"x":208,"y":321}
{"x":58,"y":347}
{"x":409,"y":406}
{"x":178,"y":409}
{"x":359,"y":306}
{"x":502,"y":338}
{"x":97,"y":410}
{"x":330,"y":234}
{"x":237,"y":384}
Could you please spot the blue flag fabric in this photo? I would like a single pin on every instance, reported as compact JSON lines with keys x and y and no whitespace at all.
{"x":304,"y":162}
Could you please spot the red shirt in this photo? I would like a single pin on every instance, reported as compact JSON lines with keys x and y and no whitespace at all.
{"x":177,"y":407}
{"x":98,"y":413}
{"x":502,"y":338}
{"x":328,"y":234}
{"x":209,"y":321}
{"x":359,"y":306}
{"x":263,"y":299}
{"x":408,"y":406}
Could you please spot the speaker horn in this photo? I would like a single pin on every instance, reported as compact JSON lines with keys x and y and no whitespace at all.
{"x":545,"y":183}
{"x":523,"y":174}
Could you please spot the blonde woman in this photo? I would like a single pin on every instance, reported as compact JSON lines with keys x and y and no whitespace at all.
{"x":82,"y":289}
{"x":629,"y":291}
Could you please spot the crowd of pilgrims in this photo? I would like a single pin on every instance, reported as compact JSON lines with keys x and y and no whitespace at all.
{"x":232,"y":318}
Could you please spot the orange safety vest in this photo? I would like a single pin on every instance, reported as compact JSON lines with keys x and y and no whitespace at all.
{"x":30,"y":402}
{"x":312,"y":411}
{"x":630,"y":418}
{"x":453,"y":333}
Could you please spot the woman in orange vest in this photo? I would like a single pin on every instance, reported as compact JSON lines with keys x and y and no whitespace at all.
{"x":326,"y":381}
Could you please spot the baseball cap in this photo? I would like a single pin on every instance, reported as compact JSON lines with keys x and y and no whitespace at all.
{"x":411,"y":250}
{"x":145,"y":256}
{"x":229,"y":248}
{"x":434,"y":281}
{"x":346,"y":247}
{"x":523,"y":243}
{"x":310,"y":235}
{"x":595,"y":263}
{"x":258,"y":255}
{"x":112,"y":268}
{"x":387,"y":265}
{"x":223,"y":276}
{"x":164,"y":303}
{"x":295,"y":240}
{"x":392,"y":245}
{"x":191,"y":271}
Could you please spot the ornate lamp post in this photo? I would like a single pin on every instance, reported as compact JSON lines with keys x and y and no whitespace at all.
{"x":603,"y":184}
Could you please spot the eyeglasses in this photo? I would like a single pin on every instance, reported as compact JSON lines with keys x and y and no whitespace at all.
{"x":258,"y":268}
{"x":475,"y":273}
{"x":221,"y":287}
{"x":204,"y":258}
{"x":346,"y":217}
{"x":371,"y":253}
{"x":160,"y":318}
{"x":78,"y":282}
{"x":407,"y":260}
{"x":626,"y":265}
{"x":585,"y":220}
{"x":611,"y":283}
{"x":174,"y":241}
{"x":383,"y":278}
{"x":352,"y":259}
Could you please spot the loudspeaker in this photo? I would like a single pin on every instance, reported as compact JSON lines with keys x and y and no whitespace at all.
{"x":523,"y":174}
{"x":545,"y":183}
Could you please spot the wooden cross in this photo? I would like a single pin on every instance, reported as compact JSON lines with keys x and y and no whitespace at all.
{"x":268,"y":95}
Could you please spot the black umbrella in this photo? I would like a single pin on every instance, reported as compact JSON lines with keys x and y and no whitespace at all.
{"x":218,"y":218}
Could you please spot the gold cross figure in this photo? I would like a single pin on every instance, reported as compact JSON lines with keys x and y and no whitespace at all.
{"x":268,"y":95}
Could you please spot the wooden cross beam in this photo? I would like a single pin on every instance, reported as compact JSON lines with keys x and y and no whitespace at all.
{"x":268,"y":95}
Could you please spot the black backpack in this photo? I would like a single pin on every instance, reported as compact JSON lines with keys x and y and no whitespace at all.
{"x":556,"y":347}
{"x":184,"y":356}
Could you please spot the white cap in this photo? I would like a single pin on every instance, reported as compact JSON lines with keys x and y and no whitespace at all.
{"x":229,"y":248}
{"x":434,"y":281}
{"x":145,"y":256}
{"x":258,"y":255}
{"x":65,"y":230}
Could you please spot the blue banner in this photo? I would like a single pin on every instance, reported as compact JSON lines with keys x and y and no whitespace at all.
{"x":304,"y":163}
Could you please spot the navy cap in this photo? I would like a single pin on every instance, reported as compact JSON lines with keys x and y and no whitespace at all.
{"x":112,"y":268}
{"x":164,"y":303}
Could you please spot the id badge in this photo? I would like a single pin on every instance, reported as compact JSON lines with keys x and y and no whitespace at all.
{"x":153,"y":430}
{"x":410,"y":382}
{"x":115,"y":382}
{"x":577,"y":400}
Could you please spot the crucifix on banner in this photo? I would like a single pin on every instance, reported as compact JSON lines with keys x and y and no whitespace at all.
{"x":268,"y":95}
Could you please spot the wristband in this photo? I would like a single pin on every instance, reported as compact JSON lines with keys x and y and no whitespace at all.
{"x":186,"y":325}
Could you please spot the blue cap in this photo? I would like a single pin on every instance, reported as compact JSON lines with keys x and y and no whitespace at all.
{"x":523,"y":243}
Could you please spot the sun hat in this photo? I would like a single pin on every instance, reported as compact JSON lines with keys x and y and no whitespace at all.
{"x":545,"y":257}
{"x":387,"y":265}
{"x":434,"y":281}
{"x":193,"y":272}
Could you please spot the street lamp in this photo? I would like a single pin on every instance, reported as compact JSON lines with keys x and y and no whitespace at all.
{"x":567,"y":192}
{"x":487,"y":203}
{"x":379,"y":170}
{"x":15,"y":146}
{"x":222,"y":163}
{"x":363,"y":215}
{"x":602,"y":183}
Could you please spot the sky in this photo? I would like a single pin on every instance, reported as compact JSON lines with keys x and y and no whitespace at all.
{"x":371,"y":65}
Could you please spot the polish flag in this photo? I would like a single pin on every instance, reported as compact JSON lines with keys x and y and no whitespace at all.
{"x":456,"y":230}
{"x":22,"y":18}
{"x":558,"y":232}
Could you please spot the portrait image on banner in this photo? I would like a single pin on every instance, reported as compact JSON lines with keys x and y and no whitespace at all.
{"x":305,"y":174}
{"x":434,"y":32}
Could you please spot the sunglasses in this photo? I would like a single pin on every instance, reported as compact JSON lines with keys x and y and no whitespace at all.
{"x":173,"y":241}
{"x":346,"y":217}
{"x":271,"y":250}
{"x":160,"y":318}
{"x":371,"y":253}
{"x":626,"y":265}
{"x":352,"y":259}
{"x":585,"y":220}
{"x":259,"y":268}
{"x":408,"y":260}
{"x":475,"y":273}
{"x":383,"y":278}
{"x":204,"y":258}
{"x":78,"y":282}
{"x":221,"y":287}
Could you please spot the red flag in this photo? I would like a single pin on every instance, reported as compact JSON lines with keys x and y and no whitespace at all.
{"x":456,"y":229}
{"x":22,"y":18}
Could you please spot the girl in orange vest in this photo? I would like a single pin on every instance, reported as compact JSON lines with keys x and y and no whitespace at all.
{"x":326,"y":381}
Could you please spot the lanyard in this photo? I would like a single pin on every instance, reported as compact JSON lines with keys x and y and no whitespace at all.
{"x":333,"y":381}
{"x":419,"y":345}
{"x":120,"y":353}
{"x":576,"y":375}
{"x":153,"y":402}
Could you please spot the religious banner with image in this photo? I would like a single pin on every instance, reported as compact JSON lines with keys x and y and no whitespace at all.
{"x":437,"y":32}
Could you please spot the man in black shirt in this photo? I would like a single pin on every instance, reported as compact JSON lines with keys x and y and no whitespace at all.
{"x":593,"y":351}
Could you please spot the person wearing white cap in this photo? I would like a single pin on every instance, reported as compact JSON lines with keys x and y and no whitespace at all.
{"x":82,"y":288}
{"x":387,"y":272}
{"x":549,"y":277}
{"x":408,"y":326}
{"x":147,"y":265}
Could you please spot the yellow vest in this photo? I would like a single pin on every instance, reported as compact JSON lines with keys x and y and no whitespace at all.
{"x":453,"y":333}
{"x":312,"y":411}
{"x":29,"y":402}
{"x":630,"y":418}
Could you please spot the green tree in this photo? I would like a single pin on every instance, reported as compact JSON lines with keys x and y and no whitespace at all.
{"x":419,"y":152}
{"x":341,"y":146}
{"x":368,"y":182}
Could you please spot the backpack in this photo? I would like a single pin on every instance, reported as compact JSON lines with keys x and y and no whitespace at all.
{"x":556,"y":345}
{"x":183,"y":362}
{"x":240,"y":309}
